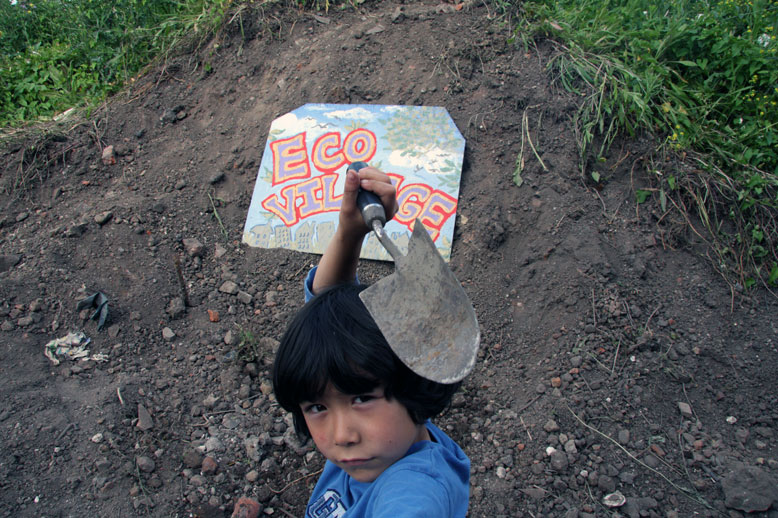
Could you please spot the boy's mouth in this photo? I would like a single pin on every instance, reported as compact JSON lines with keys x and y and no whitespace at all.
{"x":353,"y":463}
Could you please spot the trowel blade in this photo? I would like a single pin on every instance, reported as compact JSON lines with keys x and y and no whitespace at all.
{"x":425,"y":314}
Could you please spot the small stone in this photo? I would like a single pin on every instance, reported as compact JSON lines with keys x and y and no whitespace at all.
{"x":193,"y":247}
{"x":216,"y":178}
{"x":103,"y":217}
{"x":219,"y":251}
{"x":209,"y":466}
{"x":556,"y":382}
{"x":109,"y":157}
{"x":559,"y":461}
{"x":551,"y":426}
{"x":246,"y":508}
{"x":244,"y":297}
{"x":24,"y":322}
{"x":252,"y":476}
{"x":168,"y":334}
{"x":685,"y":409}
{"x":192,"y":458}
{"x":213,"y":315}
{"x":8,"y":261}
{"x":213,"y":444}
{"x":606,"y":484}
{"x":570,"y":447}
{"x":176,"y":308}
{"x":114,"y":330}
{"x":198,"y":480}
{"x":145,"y":422}
{"x":623,"y":436}
{"x":229,"y":338}
{"x":540,"y":388}
{"x":145,"y":464}
{"x":229,"y":287}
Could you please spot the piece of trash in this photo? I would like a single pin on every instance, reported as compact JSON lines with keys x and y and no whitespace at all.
{"x":96,"y":300}
{"x":73,"y":347}
{"x":732,"y":419}
{"x":615,"y":499}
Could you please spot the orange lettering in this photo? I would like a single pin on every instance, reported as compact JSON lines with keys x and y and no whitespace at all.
{"x":290,"y":159}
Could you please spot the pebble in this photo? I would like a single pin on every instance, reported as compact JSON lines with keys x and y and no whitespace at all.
{"x":168,"y":334}
{"x":686,"y":410}
{"x":559,"y":461}
{"x":246,"y":508}
{"x":192,"y":458}
{"x":209,"y":466}
{"x":108,"y":157}
{"x":623,"y":436}
{"x":145,"y":422}
{"x":551,"y":426}
{"x":229,"y":287}
{"x":145,"y":464}
{"x":252,"y":476}
{"x":213,"y":444}
{"x":103,"y":217}
{"x":176,"y":308}
{"x":193,"y":247}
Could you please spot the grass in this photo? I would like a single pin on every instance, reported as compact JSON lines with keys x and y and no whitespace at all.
{"x":57,"y":54}
{"x":700,"y":76}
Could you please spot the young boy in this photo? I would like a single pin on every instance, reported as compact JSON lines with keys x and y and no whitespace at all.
{"x":367,"y":413}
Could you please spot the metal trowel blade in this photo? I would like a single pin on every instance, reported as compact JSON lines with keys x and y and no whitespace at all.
{"x":425,"y":314}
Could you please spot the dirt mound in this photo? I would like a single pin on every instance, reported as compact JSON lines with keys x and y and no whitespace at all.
{"x":611,"y":363}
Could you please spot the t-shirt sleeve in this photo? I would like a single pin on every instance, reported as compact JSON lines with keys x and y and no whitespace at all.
{"x":410,"y":494}
{"x":308,"y":284}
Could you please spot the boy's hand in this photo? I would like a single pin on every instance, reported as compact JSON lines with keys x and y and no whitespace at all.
{"x":351,"y":223}
{"x":339,"y":262}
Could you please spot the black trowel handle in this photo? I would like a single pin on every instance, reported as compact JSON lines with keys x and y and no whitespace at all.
{"x":369,"y":204}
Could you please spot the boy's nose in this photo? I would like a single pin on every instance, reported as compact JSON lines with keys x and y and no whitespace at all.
{"x":344,"y":433}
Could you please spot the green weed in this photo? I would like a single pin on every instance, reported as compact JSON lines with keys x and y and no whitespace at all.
{"x":248,"y":346}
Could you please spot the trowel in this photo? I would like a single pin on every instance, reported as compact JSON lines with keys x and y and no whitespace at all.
{"x":421,"y":309}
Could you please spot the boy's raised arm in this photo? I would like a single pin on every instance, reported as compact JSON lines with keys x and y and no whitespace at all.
{"x":340,"y":259}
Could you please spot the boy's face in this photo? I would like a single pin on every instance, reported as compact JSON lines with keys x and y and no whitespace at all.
{"x":362,"y":434}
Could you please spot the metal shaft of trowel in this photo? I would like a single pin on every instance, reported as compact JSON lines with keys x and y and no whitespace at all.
{"x":374,"y":215}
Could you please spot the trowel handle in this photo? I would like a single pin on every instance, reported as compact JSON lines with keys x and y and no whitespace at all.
{"x":369,"y":204}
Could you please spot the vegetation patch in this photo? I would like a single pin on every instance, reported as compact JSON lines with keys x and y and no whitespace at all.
{"x":703,"y":77}
{"x":57,"y":54}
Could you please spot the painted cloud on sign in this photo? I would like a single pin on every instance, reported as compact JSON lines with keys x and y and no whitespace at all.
{"x":354,"y":113}
{"x":433,"y":159}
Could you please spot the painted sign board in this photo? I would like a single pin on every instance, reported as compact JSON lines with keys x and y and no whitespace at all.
{"x":297,"y":194}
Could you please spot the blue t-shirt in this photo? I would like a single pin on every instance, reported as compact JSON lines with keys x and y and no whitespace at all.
{"x":432,"y":480}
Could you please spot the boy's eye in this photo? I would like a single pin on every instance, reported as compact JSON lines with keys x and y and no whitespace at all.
{"x":314,"y":408}
{"x":364,"y":398}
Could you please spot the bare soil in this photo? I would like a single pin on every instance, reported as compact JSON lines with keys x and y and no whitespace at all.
{"x":614,"y":357}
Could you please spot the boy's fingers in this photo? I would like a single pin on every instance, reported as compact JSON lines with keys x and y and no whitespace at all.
{"x":350,"y":189}
{"x":378,"y":182}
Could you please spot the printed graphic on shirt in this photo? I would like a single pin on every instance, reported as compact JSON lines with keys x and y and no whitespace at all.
{"x":326,"y":506}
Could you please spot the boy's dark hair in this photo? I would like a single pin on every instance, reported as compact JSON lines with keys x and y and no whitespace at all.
{"x":333,"y":339}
